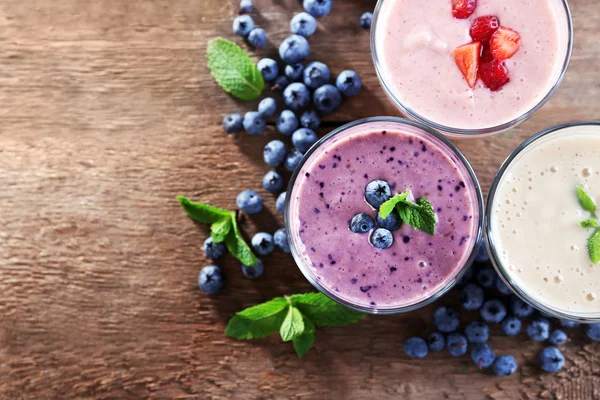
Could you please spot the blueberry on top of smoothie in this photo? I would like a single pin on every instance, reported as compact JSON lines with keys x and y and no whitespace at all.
{"x":361,"y":223}
{"x":382,"y":238}
{"x":377,"y":192}
{"x":392,"y":222}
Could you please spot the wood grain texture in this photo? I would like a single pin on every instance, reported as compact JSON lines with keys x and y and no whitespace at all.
{"x":107,"y":112}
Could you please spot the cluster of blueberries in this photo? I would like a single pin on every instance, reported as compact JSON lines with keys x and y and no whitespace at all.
{"x":502,"y":308}
{"x":377,"y":192}
{"x":295,"y":82}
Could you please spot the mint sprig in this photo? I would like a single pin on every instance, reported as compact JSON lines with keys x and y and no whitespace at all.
{"x":419,"y":215}
{"x":224,"y":228}
{"x":589,"y":205}
{"x":233,"y":69}
{"x":294,"y":317}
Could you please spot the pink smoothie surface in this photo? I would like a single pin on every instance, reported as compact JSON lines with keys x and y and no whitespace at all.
{"x":415,"y":40}
{"x":329,"y":191}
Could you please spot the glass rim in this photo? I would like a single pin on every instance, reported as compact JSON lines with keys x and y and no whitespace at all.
{"x":470,"y":132}
{"x":491,"y":245}
{"x":434,"y":296}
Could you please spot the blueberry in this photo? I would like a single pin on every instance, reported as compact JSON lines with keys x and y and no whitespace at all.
{"x":249,"y":202}
{"x":254,"y":124}
{"x":296,"y":96}
{"x":486,"y":277}
{"x":292,"y":159}
{"x":281,"y":240}
{"x":520,"y":308}
{"x":415,"y":348}
{"x":446,"y":319}
{"x":477,"y":332}
{"x":348,"y":83}
{"x":214,"y":250}
{"x":263,"y":243}
{"x":268,"y":68}
{"x":253,"y":272}
{"x":382,"y":238}
{"x":558,"y":337}
{"x":294,"y":49}
{"x":303,"y":24}
{"x":377,"y":192}
{"x":316,"y":74}
{"x":246,"y":6}
{"x":280,"y":83}
{"x":466,"y":277}
{"x":287,"y":123}
{"x":361,"y":223}
{"x":501,"y":286}
{"x":482,"y":355}
{"x":294,"y":71}
{"x":267,"y":107}
{"x":274,"y":153}
{"x":593,"y":332}
{"x":472,"y":297}
{"x":273,"y":181}
{"x":303,"y":139}
{"x":457,"y":344}
{"x":539,"y":329}
{"x":327,"y":99}
{"x":565,"y":323}
{"x":310,"y":119}
{"x":210,"y":280}
{"x":511,"y":326}
{"x":366,"y":19}
{"x":436,"y":341}
{"x":317,"y":8}
{"x":242,"y":25}
{"x":233,"y":123}
{"x":257,"y":38}
{"x":392,"y":222}
{"x":505,"y":366}
{"x":552,"y":359}
{"x":493,"y":311}
{"x":280,"y":203}
{"x":482,"y":253}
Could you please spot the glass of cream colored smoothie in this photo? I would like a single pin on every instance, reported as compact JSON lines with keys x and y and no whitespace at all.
{"x":328,"y":190}
{"x":412,"y":43}
{"x":534,"y":231}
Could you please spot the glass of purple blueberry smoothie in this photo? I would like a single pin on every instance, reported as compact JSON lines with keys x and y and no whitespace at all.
{"x":384,"y":215}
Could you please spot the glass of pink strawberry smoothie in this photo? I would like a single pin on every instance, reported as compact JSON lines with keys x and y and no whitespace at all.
{"x":413,"y":43}
{"x":328,"y":189}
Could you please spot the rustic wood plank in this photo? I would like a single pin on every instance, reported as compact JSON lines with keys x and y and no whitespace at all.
{"x":107,"y":113}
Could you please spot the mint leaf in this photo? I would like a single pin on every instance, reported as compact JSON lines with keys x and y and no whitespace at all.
{"x":233,"y":69}
{"x":220,"y":229}
{"x":304,"y":341}
{"x":589,"y":223}
{"x":420,"y":215}
{"x":585,"y":200}
{"x":386,"y":208}
{"x":238,"y":247}
{"x":323,"y":311}
{"x":594,"y":246}
{"x":202,"y":212}
{"x":292,"y":326}
{"x":258,"y":321}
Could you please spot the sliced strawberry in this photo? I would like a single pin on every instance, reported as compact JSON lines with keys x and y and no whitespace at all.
{"x":494,"y":75}
{"x":462,"y":9}
{"x":483,"y":28}
{"x":467,"y":60}
{"x":486,"y":53}
{"x":504,"y":43}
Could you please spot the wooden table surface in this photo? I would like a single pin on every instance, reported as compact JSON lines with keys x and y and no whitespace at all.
{"x":107,"y":112}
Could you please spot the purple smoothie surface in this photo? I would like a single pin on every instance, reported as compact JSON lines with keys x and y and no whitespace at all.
{"x":329,"y":191}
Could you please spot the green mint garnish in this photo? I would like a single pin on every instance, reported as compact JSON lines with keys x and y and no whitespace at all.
{"x":589,"y":205}
{"x":585,"y":200}
{"x":224,"y":228}
{"x":233,"y":69}
{"x":419,"y":215}
{"x":294,"y":317}
{"x":589,"y":223}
